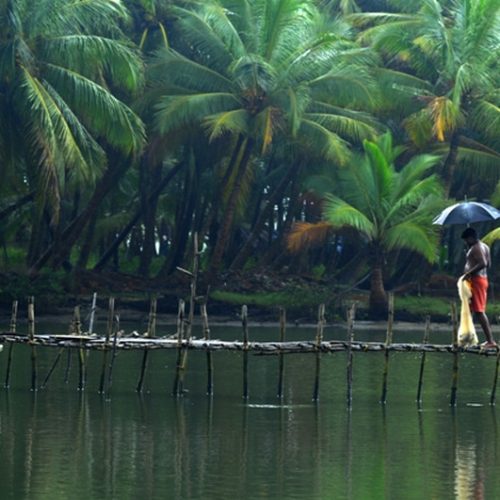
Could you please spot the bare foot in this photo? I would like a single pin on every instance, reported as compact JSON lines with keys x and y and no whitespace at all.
{"x":489,"y":345}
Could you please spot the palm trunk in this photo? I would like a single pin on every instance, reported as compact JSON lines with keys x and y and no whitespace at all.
{"x":450,"y":163}
{"x":378,"y":296}
{"x":58,"y":253}
{"x":126,"y":230}
{"x":229,"y":213}
{"x":246,"y":250}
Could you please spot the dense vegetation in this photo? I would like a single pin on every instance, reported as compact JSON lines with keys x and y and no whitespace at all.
{"x":296,"y":136}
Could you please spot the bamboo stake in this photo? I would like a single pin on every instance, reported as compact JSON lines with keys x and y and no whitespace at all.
{"x":113,"y":355}
{"x":281,"y":358}
{"x":206,"y":336}
{"x":31,"y":334}
{"x":422,"y":360}
{"x":52,"y":368}
{"x":388,"y":342}
{"x":68,"y":367}
{"x":150,"y":334}
{"x":12,"y":328}
{"x":319,"y":339}
{"x":109,"y":331}
{"x":176,"y":391}
{"x":71,"y":331}
{"x":189,"y":326}
{"x":495,"y":380}
{"x":92,"y":313}
{"x":82,"y":370}
{"x":244,"y":322}
{"x":350,"y":337}
{"x":454,"y":379}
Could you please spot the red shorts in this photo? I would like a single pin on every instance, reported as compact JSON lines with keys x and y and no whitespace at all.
{"x":479,"y":293}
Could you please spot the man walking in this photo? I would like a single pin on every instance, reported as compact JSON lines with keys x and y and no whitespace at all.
{"x":477,"y":261}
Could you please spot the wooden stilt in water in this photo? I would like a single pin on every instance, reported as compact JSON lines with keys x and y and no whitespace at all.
{"x":92,"y":313}
{"x":422,"y":360}
{"x":52,"y":368}
{"x":12,"y":328}
{"x":281,"y":359}
{"x":495,"y":380}
{"x":109,"y":331}
{"x":150,"y":334}
{"x":319,"y":339}
{"x":454,"y":379}
{"x":206,"y":336}
{"x":113,"y":356}
{"x":350,"y":337}
{"x":82,"y":375}
{"x":177,"y":389}
{"x":182,"y":362}
{"x":388,"y":342}
{"x":244,"y":322}
{"x":31,"y":334}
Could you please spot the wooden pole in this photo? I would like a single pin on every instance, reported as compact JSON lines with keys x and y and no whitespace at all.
{"x":206,"y":336}
{"x":92,"y":313}
{"x":454,"y":378}
{"x":319,"y":339}
{"x":281,"y":359}
{"x":422,"y":360}
{"x":350,"y":337}
{"x":150,"y":334}
{"x":181,"y":372}
{"x":113,"y":355}
{"x":82,"y":370}
{"x":388,"y":342}
{"x":71,"y":331}
{"x":31,"y":334}
{"x":109,"y":331}
{"x":244,"y":322}
{"x":12,"y":328}
{"x":495,"y":381}
{"x":177,"y":389}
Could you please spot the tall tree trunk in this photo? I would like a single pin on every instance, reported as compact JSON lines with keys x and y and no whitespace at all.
{"x":229,"y":213}
{"x":246,"y":250}
{"x":149,"y":178}
{"x":184,"y":219}
{"x":58,"y":253}
{"x":133,"y":221}
{"x":378,"y":296}
{"x":450,"y":164}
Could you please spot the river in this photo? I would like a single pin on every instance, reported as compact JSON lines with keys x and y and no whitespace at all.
{"x":60,"y":443}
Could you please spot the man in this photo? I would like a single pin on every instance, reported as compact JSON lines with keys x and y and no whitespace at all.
{"x":477,"y":261}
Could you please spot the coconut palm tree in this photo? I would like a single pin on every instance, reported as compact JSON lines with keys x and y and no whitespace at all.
{"x":253,"y":73}
{"x":62,"y":65}
{"x":390,"y":209}
{"x":454,"y":46}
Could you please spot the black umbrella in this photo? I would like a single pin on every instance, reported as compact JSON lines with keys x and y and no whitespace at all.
{"x":467,"y":212}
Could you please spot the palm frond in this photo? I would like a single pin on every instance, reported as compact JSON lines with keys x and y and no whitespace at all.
{"x":169,"y":68}
{"x":415,"y":237}
{"x":177,"y":111}
{"x":318,"y":137}
{"x":91,"y":55}
{"x":234,"y":122}
{"x":306,"y":235}
{"x":340,"y":214}
{"x":102,"y":112}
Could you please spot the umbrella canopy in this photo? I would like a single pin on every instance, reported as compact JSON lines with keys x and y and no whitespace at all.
{"x":467,"y":212}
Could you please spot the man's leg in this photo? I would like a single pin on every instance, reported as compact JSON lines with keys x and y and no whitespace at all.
{"x":485,"y":325}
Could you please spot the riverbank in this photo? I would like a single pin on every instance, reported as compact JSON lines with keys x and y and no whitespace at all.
{"x":263,"y":292}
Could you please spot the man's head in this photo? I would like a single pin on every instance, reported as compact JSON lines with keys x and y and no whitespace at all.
{"x":469,"y":236}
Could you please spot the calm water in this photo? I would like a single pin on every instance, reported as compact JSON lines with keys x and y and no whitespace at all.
{"x":62,"y":444}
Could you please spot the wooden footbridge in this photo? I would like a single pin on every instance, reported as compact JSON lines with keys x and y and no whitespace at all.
{"x":182,"y":340}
